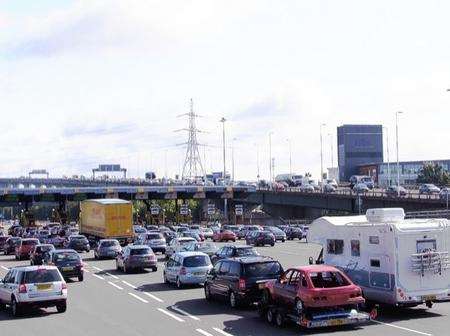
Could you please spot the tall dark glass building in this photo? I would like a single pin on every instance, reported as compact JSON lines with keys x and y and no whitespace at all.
{"x":358,"y":145}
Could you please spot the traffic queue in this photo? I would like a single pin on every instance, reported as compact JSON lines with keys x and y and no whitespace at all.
{"x":327,"y":292}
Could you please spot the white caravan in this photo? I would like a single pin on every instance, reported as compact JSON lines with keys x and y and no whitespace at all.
{"x":396,"y":261}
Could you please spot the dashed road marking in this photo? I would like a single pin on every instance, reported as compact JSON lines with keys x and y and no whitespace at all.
{"x":220,"y":331}
{"x":5,"y":268}
{"x":128,"y":284}
{"x":201,"y":331}
{"x":114,"y":285}
{"x":87,"y":271}
{"x":138,"y":297}
{"x":153,"y":297}
{"x":98,"y":276}
{"x":170,"y":315}
{"x":402,"y":328}
{"x":98,"y":269}
{"x":112,"y":275}
{"x":185,"y":313}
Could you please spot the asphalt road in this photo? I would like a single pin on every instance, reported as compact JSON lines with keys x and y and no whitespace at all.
{"x":111,"y":303}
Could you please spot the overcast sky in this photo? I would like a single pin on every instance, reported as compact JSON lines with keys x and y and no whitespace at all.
{"x":90,"y":82}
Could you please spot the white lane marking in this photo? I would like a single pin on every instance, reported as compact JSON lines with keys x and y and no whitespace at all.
{"x":98,"y":276}
{"x":220,"y":331}
{"x":5,"y":268}
{"x":98,"y":269}
{"x":402,"y":328}
{"x":129,"y":285}
{"x":112,"y":275}
{"x":185,"y":313}
{"x":87,"y":271}
{"x":171,"y":315}
{"x":153,"y":297}
{"x":201,"y":331}
{"x":290,"y":253}
{"x":114,"y":285}
{"x":138,"y":297}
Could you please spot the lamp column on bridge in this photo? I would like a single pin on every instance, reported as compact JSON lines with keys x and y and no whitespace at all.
{"x":396,"y":144}
{"x":321,"y":156}
{"x":225,"y":201}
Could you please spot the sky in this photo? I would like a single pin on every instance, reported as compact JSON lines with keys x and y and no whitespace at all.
{"x":87,"y":82}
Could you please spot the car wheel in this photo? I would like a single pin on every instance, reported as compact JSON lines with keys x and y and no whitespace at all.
{"x":124,"y":268}
{"x":15,"y":309}
{"x":208,"y":295}
{"x":166,"y":281}
{"x":279,"y":319}
{"x":61,"y":308}
{"x":154,"y":269}
{"x":95,"y":256}
{"x":117,"y":266}
{"x":31,"y":262}
{"x":233,"y":300}
{"x":283,"y":241}
{"x":273,"y":244}
{"x":179,"y":283}
{"x":269,"y":316}
{"x":81,"y":277}
{"x":299,"y":307}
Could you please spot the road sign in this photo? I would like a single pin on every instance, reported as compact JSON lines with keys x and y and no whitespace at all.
{"x":184,"y":209}
{"x":239,"y":209}
{"x":211,"y":209}
{"x":154,"y":210}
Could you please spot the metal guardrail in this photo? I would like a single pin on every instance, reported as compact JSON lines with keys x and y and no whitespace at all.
{"x":428,"y":214}
{"x":375,"y":193}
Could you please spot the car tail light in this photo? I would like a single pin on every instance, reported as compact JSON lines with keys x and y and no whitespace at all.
{"x":22,"y":289}
{"x":242,"y":284}
{"x":183,"y":270}
{"x":152,"y":257}
{"x":64,"y":285}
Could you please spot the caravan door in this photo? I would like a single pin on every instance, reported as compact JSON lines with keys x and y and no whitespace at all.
{"x":379,"y":275}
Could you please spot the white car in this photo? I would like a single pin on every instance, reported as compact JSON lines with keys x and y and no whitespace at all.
{"x":33,"y":287}
{"x":177,"y":245}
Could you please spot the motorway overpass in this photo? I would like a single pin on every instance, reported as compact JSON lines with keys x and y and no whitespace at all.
{"x":296,"y":204}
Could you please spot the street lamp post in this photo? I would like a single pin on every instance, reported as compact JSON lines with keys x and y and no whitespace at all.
{"x":321,"y":156}
{"x":290,"y":156}
{"x":270,"y":158}
{"x":396,"y":144}
{"x":388,"y":159}
{"x":232,"y":159}
{"x":225,"y":203}
{"x":257,"y":162}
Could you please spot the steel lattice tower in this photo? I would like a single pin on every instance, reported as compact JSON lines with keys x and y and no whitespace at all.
{"x":192,"y":166}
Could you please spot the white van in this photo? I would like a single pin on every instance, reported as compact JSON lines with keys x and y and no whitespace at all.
{"x":395,"y":261}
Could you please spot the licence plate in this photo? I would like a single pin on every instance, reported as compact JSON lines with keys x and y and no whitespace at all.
{"x":67,"y":268}
{"x":336,"y":322}
{"x":429,"y":297}
{"x":43,"y":286}
{"x":199,"y":273}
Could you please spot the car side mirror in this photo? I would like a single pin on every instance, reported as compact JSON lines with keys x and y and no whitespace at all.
{"x":311,"y":261}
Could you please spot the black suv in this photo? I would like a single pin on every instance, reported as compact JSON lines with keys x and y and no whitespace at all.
{"x":240,"y":280}
{"x":230,"y":251}
{"x":68,"y":261}
{"x":294,"y":232}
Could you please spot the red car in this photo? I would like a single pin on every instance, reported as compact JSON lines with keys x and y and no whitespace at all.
{"x":307,"y":288}
{"x":224,"y":235}
{"x":25,"y":247}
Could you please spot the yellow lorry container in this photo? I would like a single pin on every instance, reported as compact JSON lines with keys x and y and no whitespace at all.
{"x":107,"y":218}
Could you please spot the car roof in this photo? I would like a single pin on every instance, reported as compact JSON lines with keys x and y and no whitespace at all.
{"x":34,"y":268}
{"x":134,"y":247}
{"x":185,"y":239}
{"x":64,"y":250}
{"x":186,"y":254}
{"x":251,"y":260}
{"x":315,"y":268}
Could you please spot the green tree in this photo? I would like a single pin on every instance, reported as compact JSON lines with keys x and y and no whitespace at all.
{"x":433,"y":173}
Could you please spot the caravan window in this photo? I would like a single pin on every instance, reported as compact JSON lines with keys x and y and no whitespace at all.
{"x":374,"y":263}
{"x":424,"y":246}
{"x":335,"y":246}
{"x":355,"y":248}
{"x":374,"y":240}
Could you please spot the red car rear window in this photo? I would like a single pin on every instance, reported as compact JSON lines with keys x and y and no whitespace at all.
{"x":328,"y":279}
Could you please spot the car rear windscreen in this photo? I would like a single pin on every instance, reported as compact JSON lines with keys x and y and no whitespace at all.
{"x":141,"y":251}
{"x":151,"y":236}
{"x":41,"y":276}
{"x":66,"y":256}
{"x":110,"y":243}
{"x":196,"y":261}
{"x":245,"y":252}
{"x":29,"y":242}
{"x":44,"y":248}
{"x":263,"y":269}
{"x":328,"y":279}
